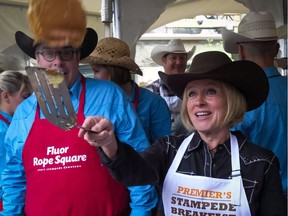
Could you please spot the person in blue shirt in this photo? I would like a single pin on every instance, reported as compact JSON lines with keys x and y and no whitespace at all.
{"x":51,"y":171}
{"x":266,"y":126}
{"x":117,"y":67}
{"x":14,"y":88}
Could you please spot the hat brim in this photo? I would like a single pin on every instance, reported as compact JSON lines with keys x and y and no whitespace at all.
{"x":245,"y":76}
{"x":124,"y":62}
{"x":162,"y":51}
{"x":26,"y":44}
{"x":232,"y":39}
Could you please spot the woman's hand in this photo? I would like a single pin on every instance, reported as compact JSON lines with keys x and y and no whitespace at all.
{"x":103,"y":136}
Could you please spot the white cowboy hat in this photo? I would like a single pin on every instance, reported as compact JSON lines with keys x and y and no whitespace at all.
{"x":255,"y":26}
{"x":174,"y":46}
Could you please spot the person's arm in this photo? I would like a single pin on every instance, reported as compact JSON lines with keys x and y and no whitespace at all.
{"x":126,"y":165}
{"x":129,"y":166}
{"x":143,"y":198}
{"x":14,"y":187}
{"x":13,"y":176}
{"x":272,"y":200}
{"x":3,"y":129}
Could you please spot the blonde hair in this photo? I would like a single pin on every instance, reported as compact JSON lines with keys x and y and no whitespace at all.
{"x":13,"y":82}
{"x":236,"y":107}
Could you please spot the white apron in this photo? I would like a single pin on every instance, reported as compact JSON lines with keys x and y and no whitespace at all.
{"x":195,"y":195}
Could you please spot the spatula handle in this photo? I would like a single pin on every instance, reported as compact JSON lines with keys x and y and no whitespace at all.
{"x":88,"y":130}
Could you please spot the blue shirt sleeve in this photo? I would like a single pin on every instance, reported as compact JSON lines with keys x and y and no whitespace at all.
{"x":153,"y":113}
{"x":13,"y":176}
{"x":3,"y":130}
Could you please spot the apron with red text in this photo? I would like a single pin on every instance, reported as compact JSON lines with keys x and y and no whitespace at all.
{"x":7,"y":122}
{"x":196,"y":195}
{"x":65,"y":176}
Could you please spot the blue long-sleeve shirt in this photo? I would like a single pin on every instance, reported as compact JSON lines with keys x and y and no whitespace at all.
{"x":102,"y":98}
{"x":266,"y":126}
{"x":153,"y":112}
{"x":3,"y":130}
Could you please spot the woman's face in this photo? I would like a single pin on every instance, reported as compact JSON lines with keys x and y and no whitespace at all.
{"x":206,"y":105}
{"x":100,"y":71}
{"x":16,"y":98}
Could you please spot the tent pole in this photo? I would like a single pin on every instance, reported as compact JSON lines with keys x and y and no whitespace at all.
{"x":106,"y":16}
{"x":116,"y":26}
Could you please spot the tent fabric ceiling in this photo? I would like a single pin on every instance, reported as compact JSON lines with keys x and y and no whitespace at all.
{"x":186,"y":9}
{"x":175,"y":10}
{"x":135,"y":17}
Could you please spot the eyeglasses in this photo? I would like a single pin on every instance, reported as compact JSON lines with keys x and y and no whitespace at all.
{"x":50,"y":55}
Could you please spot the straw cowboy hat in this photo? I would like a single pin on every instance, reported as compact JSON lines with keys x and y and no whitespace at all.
{"x":246,"y":76}
{"x":255,"y":26}
{"x":115,"y":52}
{"x":26,"y":44}
{"x":174,"y":46}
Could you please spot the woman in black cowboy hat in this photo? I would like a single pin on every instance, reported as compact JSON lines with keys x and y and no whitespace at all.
{"x":212,"y":171}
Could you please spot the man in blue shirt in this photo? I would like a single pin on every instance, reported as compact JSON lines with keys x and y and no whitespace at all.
{"x":267,"y":125}
{"x":51,"y":171}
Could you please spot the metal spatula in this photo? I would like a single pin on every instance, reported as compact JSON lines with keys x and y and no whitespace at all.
{"x":53,"y":97}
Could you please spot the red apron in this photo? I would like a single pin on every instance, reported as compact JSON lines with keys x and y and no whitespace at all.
{"x":6,"y":121}
{"x":65,"y":176}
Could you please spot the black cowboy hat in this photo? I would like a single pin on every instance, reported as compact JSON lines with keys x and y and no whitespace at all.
{"x":246,"y":76}
{"x":27,"y":45}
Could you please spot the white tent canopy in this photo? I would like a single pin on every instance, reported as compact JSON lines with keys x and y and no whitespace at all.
{"x":133,"y":18}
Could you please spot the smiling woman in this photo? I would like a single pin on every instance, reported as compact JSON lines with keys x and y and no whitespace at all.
{"x":216,"y":94}
{"x":213,"y":93}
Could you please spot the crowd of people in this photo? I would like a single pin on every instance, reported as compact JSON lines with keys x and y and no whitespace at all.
{"x":210,"y":139}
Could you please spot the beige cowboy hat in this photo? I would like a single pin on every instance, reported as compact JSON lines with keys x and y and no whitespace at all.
{"x":246,"y":76}
{"x":255,"y":26}
{"x":115,"y":52}
{"x":174,"y":46}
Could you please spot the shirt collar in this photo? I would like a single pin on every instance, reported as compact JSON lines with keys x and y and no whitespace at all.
{"x":197,"y":142}
{"x":76,"y":88}
{"x":271,"y":72}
